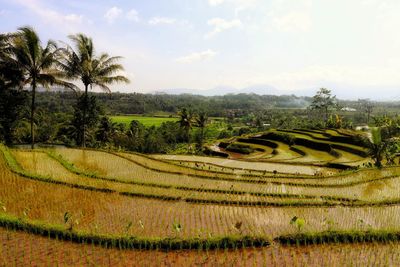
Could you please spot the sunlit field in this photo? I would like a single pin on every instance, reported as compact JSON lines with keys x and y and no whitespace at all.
{"x":146,"y":121}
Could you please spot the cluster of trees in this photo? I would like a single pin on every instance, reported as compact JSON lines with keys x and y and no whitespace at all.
{"x":382,"y":141}
{"x":215,"y":106}
{"x":230,"y":106}
{"x":26,"y":64}
{"x":153,"y":139}
{"x":325,"y":108}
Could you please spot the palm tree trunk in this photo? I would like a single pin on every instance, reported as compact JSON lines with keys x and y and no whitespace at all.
{"x":85,"y":104}
{"x":201,"y":136}
{"x":188,"y":134}
{"x":33,"y":113}
{"x":326,"y":115}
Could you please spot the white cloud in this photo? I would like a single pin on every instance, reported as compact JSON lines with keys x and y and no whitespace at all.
{"x":215,"y":2}
{"x":293,"y":22}
{"x":112,"y":14}
{"x":238,"y":5}
{"x":197,"y":56}
{"x":221,"y":25}
{"x":161,"y":20}
{"x":68,"y":21}
{"x":132,"y":15}
{"x":311,"y":76}
{"x":74,"y":18}
{"x":289,"y":16}
{"x":241,"y":5}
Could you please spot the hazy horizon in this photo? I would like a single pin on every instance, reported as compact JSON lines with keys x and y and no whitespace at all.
{"x":283,"y":46}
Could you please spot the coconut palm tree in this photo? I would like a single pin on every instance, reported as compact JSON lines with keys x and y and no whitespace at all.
{"x":37,"y":65}
{"x":186,"y":122}
{"x":10,"y":75}
{"x":106,"y":130}
{"x":81,"y":63}
{"x":201,"y":121}
{"x":4,"y":44}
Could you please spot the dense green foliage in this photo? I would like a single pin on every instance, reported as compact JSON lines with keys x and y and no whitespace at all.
{"x":147,"y":121}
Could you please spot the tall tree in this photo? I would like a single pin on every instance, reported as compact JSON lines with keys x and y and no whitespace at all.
{"x":136,"y":134}
{"x":324,"y":101}
{"x":366,"y":106}
{"x":377,"y":145}
{"x":106,"y":130}
{"x":81,"y":63}
{"x":201,"y":121}
{"x":10,"y":75}
{"x":186,"y":122}
{"x":37,"y":64}
{"x":92,"y":116}
{"x":12,"y":99}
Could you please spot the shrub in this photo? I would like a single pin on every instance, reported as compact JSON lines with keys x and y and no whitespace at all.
{"x":239,"y":148}
{"x":258,"y":141}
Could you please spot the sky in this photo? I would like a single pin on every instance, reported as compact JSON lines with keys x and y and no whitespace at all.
{"x":285,"y":46}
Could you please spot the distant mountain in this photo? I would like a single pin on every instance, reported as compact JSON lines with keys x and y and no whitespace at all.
{"x":209,"y":92}
{"x":342,"y":91}
{"x":223,"y":90}
{"x":52,"y":89}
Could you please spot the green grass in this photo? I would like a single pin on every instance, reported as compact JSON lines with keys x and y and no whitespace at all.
{"x":145,"y":120}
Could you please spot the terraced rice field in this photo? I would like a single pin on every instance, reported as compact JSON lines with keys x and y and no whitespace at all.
{"x":307,"y":147}
{"x":91,"y":207}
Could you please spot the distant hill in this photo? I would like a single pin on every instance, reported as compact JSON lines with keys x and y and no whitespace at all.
{"x":342,"y":91}
{"x":223,"y":90}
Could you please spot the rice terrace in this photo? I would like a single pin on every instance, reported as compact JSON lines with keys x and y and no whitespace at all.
{"x":287,"y":154}
{"x":217,"y":210}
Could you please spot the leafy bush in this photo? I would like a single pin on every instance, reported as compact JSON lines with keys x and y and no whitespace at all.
{"x":239,"y":148}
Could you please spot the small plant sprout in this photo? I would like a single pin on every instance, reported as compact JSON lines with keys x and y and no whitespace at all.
{"x":238,"y":226}
{"x":26,"y":212}
{"x":177,"y":227}
{"x":67,"y":217}
{"x":96,"y":227}
{"x":128,"y":226}
{"x":141,"y":224}
{"x":3,"y":206}
{"x":298,"y":222}
{"x":364,"y":224}
{"x":330,"y":223}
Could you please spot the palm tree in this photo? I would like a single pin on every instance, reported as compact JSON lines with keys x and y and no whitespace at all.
{"x":81,"y":63}
{"x":4,"y":45}
{"x":106,"y":130}
{"x":185,"y":122}
{"x":37,"y":64}
{"x":10,"y":75}
{"x":201,"y":121}
{"x":377,"y":146}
